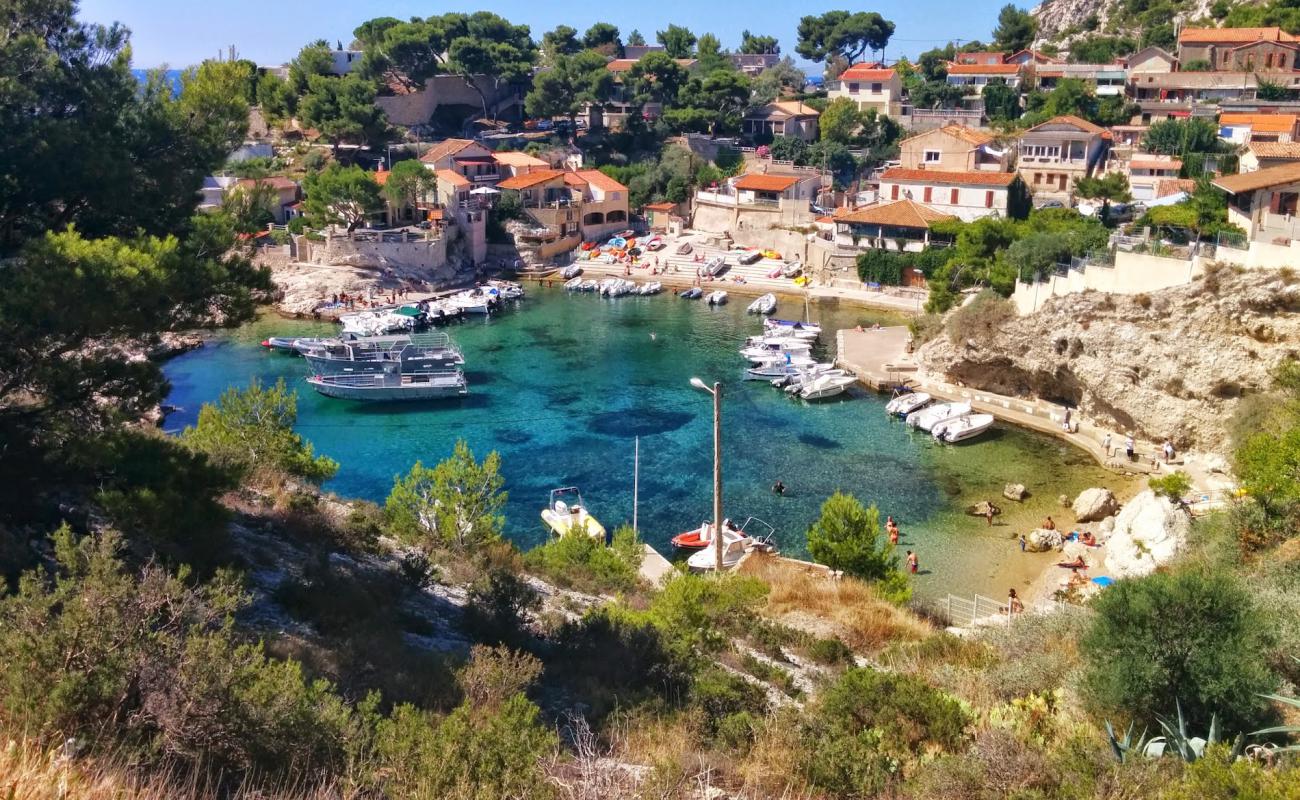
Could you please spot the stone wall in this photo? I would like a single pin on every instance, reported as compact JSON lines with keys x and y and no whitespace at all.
{"x":1132,"y":273}
{"x":420,"y":255}
{"x":419,"y":107}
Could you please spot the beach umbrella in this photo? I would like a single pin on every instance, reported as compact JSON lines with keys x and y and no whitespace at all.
{"x":485,"y":190}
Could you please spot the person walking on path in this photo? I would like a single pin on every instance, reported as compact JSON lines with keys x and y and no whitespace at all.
{"x":911,"y":562}
{"x":1014,"y":606}
{"x":1105,"y":444}
{"x":1129,"y":446}
{"x":1169,"y":451}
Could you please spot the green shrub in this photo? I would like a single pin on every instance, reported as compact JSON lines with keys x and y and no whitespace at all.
{"x":736,"y":731}
{"x":456,"y":504}
{"x":1175,"y":485}
{"x":769,"y":673}
{"x":718,"y":694}
{"x":586,"y":564}
{"x":847,"y":537}
{"x":696,"y":612}
{"x":910,"y":715}
{"x":251,"y":431}
{"x":1191,"y":637}
{"x":830,"y":652}
{"x":497,"y":607}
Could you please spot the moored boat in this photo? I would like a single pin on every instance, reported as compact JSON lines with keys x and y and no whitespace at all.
{"x":571,"y":516}
{"x":763,"y":305}
{"x":284,"y":344}
{"x":693,"y":293}
{"x":905,"y":404}
{"x":716,"y":298}
{"x":826,"y":386}
{"x":409,"y":354}
{"x":736,"y":541}
{"x":967,"y":426}
{"x":811,"y":328}
{"x":391,"y":385}
{"x":928,"y":417}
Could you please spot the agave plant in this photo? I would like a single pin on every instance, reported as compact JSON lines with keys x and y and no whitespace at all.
{"x":1175,"y":740}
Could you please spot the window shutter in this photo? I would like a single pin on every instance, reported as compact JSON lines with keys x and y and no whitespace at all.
{"x":893,"y":195}
{"x":988,"y":199}
{"x":928,"y":191}
{"x":953,"y":199}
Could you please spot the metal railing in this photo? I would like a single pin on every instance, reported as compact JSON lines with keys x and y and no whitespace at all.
{"x":963,"y":611}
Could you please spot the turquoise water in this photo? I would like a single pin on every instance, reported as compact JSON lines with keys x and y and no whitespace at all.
{"x":561,"y":385}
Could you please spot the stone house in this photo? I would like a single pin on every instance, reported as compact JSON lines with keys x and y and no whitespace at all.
{"x":1265,"y":202}
{"x":586,"y":204}
{"x":870,"y":87}
{"x":1238,"y":49}
{"x":891,"y":225}
{"x":952,"y":147}
{"x":1056,"y":153}
{"x":1151,"y":59}
{"x":781,"y":118}
{"x":966,"y":194}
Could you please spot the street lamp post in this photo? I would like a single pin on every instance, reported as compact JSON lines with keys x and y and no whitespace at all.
{"x":716,"y":391}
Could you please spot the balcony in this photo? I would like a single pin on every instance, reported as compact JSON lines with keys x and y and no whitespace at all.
{"x":485,"y":177}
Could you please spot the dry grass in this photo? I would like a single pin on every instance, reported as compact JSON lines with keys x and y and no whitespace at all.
{"x":806,"y":598}
{"x":28,"y":772}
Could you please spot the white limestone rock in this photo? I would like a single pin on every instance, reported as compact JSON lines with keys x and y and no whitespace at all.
{"x":1015,"y":491}
{"x":1149,"y":531}
{"x":1041,"y":540}
{"x":1094,"y":504}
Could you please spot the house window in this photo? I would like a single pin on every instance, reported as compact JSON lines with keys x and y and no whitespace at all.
{"x":932,"y":156}
{"x":1063,"y":180}
{"x":853,"y":88}
{"x":876,"y":88}
{"x":926,"y":197}
{"x":952,"y":198}
{"x":988,"y":199}
{"x":893,"y":194}
{"x":1038,"y":178}
{"x":1268,"y":61}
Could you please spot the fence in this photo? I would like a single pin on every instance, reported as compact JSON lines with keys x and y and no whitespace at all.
{"x":962,"y":611}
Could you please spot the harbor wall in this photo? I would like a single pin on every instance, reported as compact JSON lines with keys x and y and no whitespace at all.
{"x":422,"y":255}
{"x":1132,"y":273}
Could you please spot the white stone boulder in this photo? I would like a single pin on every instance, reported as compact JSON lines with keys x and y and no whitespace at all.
{"x":1105,"y":528}
{"x":1149,"y":531}
{"x":1094,"y":504}
{"x":1014,"y":491}
{"x":1041,"y":540}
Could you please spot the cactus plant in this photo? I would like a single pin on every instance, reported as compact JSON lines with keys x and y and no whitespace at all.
{"x":1175,"y":741}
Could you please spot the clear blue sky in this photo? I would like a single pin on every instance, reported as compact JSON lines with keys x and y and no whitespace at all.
{"x":184,"y":33}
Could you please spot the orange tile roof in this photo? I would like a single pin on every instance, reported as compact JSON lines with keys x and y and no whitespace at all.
{"x":948,"y":176}
{"x":1261,"y":123}
{"x":516,"y":158}
{"x":1155,"y":163}
{"x":795,"y":108}
{"x":381,"y":176}
{"x":448,"y":147}
{"x":756,"y":182}
{"x":867,"y":72}
{"x":1275,"y":149}
{"x":1170,"y":186}
{"x":601,"y":181}
{"x":625,"y":64}
{"x":968,"y":135}
{"x":451,"y":177}
{"x":1069,"y":119}
{"x":530,"y":179}
{"x":898,"y":214}
{"x":1280,"y":175}
{"x":572,"y":179}
{"x":660,"y":206}
{"x":1212,"y":35}
{"x":983,"y":69}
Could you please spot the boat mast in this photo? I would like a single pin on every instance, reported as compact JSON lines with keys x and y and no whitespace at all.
{"x":636,"y":477}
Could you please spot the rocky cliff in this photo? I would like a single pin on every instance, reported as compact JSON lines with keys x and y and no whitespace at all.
{"x":1173,"y":364}
{"x":1060,"y":21}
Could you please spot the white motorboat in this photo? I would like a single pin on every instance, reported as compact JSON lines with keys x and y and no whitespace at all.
{"x":573,"y":284}
{"x":507,"y":290}
{"x":376,"y":323}
{"x":928,"y":417}
{"x":768,"y":350}
{"x":589,"y":286}
{"x":796,"y":382}
{"x":792,"y":324}
{"x":826,"y":385}
{"x":571,"y":272}
{"x":713,"y":266}
{"x":716,"y":298}
{"x":654,"y":287}
{"x":763,"y":305}
{"x":905,"y":404}
{"x":784,"y":371}
{"x":567,"y":517}
{"x":735,"y":543}
{"x":967,"y":426}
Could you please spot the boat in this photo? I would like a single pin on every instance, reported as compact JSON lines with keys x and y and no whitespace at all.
{"x":653,"y":287}
{"x":783,"y":370}
{"x":391,"y":384}
{"x":735,"y":543}
{"x":507,"y":290}
{"x":826,"y":385}
{"x":763,"y":305}
{"x":378,"y":322}
{"x":802,"y":281}
{"x":795,"y":383}
{"x":716,"y":298}
{"x":415,"y":353}
{"x":684,"y":249}
{"x":627,"y":234}
{"x":285,"y":344}
{"x":693,"y":293}
{"x":967,"y":426}
{"x":655,"y":244}
{"x":792,"y":270}
{"x":564,"y":518}
{"x":928,"y":417}
{"x":905,"y":404}
{"x":774,"y":272}
{"x":702,"y":536}
{"x":479,"y":300}
{"x":772,"y":254}
{"x":750,"y":257}
{"x":792,"y":324}
{"x":573,"y":284}
{"x":775,"y":348}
